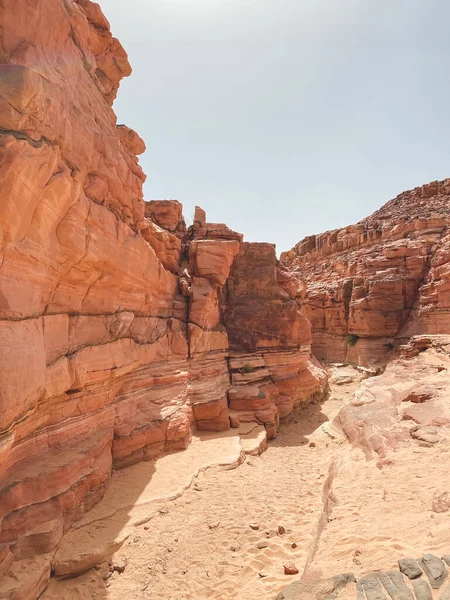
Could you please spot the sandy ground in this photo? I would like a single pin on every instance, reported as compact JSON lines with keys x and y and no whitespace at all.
{"x":310,"y":498}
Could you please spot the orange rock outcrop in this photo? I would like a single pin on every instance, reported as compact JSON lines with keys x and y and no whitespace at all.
{"x":120,"y":329}
{"x":374,"y":284}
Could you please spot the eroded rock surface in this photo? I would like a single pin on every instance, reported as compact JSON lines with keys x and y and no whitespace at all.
{"x":408,"y":401}
{"x":373,"y":284}
{"x":272,"y":371}
{"x":116,"y":323}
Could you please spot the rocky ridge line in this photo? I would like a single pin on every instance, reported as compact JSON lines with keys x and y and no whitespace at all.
{"x":373,"y":285}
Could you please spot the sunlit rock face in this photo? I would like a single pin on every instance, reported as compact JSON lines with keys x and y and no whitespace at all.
{"x":373,"y":284}
{"x":116,"y":322}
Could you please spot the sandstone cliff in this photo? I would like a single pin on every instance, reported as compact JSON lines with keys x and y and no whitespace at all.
{"x":120,"y":329}
{"x":374,"y":284}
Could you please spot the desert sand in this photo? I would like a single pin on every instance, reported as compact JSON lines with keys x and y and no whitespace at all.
{"x":311,"y":499}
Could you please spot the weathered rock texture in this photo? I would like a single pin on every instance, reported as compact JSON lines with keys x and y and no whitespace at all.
{"x":271,"y":367}
{"x":116,"y":324}
{"x":408,"y":401}
{"x":373,"y":284}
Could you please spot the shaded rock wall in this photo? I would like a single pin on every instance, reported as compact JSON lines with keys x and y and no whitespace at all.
{"x":272,"y":371}
{"x":379,"y":281}
{"x":115,"y":320}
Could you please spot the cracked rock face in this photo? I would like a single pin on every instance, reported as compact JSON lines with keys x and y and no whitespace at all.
{"x":116,"y":323}
{"x":372,"y":284}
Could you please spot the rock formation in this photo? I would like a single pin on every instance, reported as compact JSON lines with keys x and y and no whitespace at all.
{"x":374,"y":284}
{"x":119,"y":327}
{"x":378,"y":585}
{"x":271,"y":368}
{"x":408,"y":401}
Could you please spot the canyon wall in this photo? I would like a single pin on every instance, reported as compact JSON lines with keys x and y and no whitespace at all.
{"x":374,"y":284}
{"x":121,"y":330}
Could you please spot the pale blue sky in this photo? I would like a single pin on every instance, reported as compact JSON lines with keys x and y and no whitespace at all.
{"x":285,"y":118}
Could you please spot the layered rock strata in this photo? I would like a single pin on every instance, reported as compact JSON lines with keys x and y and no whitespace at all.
{"x":116,"y":323}
{"x":272,"y":371}
{"x":373,"y":284}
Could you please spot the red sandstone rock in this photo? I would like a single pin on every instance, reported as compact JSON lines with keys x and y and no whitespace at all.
{"x":212,"y":259}
{"x":116,"y":325}
{"x":167,"y":246}
{"x":383,"y":279}
{"x":114,"y":320}
{"x":257,"y":315}
{"x":290,"y":568}
{"x":199,"y":217}
{"x":168,"y":214}
{"x":130,"y":139}
{"x":201,"y":341}
{"x":212,"y":416}
{"x":204,"y":305}
{"x":269,"y":340}
{"x":6,"y":559}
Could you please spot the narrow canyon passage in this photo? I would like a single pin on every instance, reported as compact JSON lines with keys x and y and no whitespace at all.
{"x":229,"y":535}
{"x":147,"y":363}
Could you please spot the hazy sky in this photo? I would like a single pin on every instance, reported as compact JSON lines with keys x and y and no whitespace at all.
{"x":284,"y":118}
